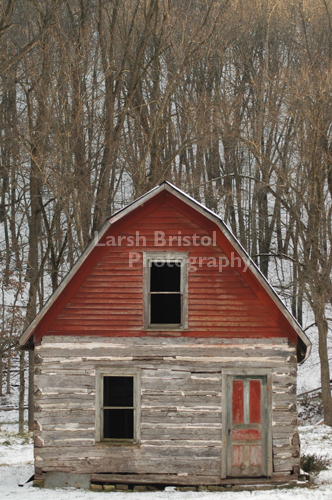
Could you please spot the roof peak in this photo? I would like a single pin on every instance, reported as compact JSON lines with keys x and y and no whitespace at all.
{"x":205,"y":212}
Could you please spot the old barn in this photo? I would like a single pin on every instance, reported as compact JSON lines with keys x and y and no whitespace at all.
{"x":165,"y":357}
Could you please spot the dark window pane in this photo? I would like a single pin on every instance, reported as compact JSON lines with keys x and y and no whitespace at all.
{"x":165,"y":276}
{"x":118,"y":391}
{"x":166,"y":309}
{"x":118,"y":424}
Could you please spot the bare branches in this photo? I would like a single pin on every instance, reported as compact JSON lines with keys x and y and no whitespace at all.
{"x":100,"y":101}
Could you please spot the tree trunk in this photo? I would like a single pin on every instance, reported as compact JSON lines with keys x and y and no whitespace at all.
{"x":8,"y":374}
{"x":324,"y":366}
{"x":21,"y":396}
{"x":31,"y":389}
{"x":1,"y":374}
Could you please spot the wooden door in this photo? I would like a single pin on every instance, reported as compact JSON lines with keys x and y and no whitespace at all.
{"x":246,"y":426}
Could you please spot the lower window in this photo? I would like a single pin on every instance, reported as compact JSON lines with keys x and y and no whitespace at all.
{"x":117,"y":407}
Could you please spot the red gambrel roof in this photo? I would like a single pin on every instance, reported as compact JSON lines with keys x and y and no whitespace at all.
{"x":227,"y":241}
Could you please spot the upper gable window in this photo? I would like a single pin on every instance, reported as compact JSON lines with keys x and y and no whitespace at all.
{"x":165,"y":290}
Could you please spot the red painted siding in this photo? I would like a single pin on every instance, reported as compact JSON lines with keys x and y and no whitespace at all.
{"x":109,"y":301}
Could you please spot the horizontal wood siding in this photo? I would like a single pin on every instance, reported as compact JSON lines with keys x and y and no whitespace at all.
{"x":110,"y":301}
{"x":180,"y":404}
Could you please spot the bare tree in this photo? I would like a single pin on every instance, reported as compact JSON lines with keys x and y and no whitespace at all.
{"x":101,"y":101}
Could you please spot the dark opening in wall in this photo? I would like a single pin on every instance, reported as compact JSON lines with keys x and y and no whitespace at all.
{"x":165,"y":292}
{"x":118,"y":408}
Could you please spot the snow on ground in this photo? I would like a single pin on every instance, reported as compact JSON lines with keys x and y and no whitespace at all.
{"x":316,"y":439}
{"x":16,"y":466}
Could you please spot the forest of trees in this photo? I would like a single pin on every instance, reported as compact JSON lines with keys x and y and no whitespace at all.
{"x":101,"y":100}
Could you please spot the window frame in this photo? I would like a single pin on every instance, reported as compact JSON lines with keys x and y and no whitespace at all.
{"x":99,"y":408}
{"x":148,"y":258}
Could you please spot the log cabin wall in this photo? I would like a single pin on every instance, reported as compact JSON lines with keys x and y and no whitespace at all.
{"x":180,"y":405}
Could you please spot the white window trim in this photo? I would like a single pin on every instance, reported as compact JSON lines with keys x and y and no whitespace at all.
{"x":149,"y":257}
{"x":117,"y":372}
